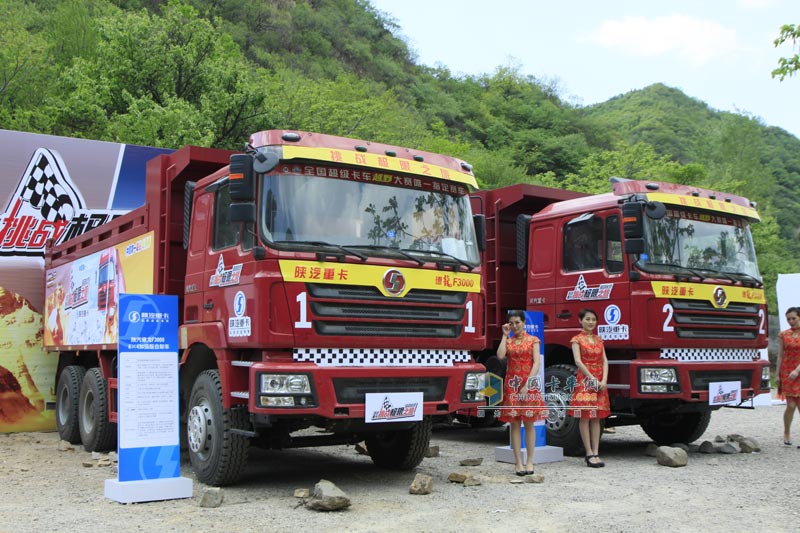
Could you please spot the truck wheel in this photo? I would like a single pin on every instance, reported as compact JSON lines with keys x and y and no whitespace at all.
{"x":97,"y":433}
{"x":217,"y":455}
{"x":562,"y":430}
{"x":671,"y":428}
{"x":68,"y":392}
{"x":401,"y":449}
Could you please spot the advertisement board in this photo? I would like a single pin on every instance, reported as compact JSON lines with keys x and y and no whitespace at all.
{"x":51,"y":188}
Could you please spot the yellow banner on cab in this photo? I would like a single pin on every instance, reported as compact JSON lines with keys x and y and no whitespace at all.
{"x":390,"y":281}
{"x":719,"y":295}
{"x":703,"y":203}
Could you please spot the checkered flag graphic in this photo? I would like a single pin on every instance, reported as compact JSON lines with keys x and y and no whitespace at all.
{"x":386,"y":403}
{"x":48,"y":189}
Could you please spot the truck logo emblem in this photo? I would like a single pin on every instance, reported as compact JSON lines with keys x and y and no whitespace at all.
{"x":720,"y":297}
{"x":394,"y":282}
{"x":225,"y":278}
{"x":583,"y":292}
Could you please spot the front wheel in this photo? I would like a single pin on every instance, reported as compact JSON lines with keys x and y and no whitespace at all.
{"x":671,"y":428}
{"x":98,"y":434}
{"x":562,"y":429}
{"x":217,"y":454}
{"x":401,"y":449}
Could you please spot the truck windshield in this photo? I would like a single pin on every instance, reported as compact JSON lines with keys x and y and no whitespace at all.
{"x":298,"y":209}
{"x":697,"y":241}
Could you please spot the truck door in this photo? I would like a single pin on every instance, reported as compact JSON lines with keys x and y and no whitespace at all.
{"x":228,"y":270}
{"x":592,"y":276}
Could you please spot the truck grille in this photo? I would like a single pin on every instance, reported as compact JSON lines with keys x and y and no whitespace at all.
{"x":701,"y":379}
{"x":346,"y":310}
{"x":698,"y":319}
{"x":352,"y":390}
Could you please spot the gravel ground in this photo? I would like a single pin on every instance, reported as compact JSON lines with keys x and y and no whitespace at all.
{"x":43,"y":489}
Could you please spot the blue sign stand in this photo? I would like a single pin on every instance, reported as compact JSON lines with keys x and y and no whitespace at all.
{"x":148,"y":403}
{"x":534,"y":325}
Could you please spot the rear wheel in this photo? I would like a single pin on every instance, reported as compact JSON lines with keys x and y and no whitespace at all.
{"x":401,"y":449}
{"x":97,"y":433}
{"x":68,"y":392}
{"x":671,"y":428}
{"x":562,"y":430}
{"x":217,"y":454}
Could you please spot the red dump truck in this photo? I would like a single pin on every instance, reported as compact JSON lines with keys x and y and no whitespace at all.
{"x":323,"y":282}
{"x":670,"y":271}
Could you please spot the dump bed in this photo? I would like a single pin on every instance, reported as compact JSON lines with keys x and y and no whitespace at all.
{"x":505,"y":284}
{"x":139,"y":252}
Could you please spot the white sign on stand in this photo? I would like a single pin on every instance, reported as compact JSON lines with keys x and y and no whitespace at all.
{"x":148,"y":417}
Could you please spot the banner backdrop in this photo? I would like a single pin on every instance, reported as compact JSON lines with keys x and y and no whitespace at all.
{"x":50,"y":188}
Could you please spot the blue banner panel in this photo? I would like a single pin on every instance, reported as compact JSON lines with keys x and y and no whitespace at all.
{"x":148,"y":399}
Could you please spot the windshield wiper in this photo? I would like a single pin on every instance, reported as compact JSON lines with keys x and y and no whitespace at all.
{"x":391,"y":249}
{"x":685,"y":269}
{"x":754,"y":279}
{"x":443,"y":254}
{"x":321,"y":255}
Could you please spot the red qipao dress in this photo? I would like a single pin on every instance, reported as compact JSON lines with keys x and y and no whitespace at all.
{"x":791,"y":358}
{"x":587,"y":401}
{"x":525,"y":407}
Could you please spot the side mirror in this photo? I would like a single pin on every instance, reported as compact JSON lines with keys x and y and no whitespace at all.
{"x":634,"y":246}
{"x":632,"y":223}
{"x":655,"y":210}
{"x":523,"y":236}
{"x":243,"y":212}
{"x":480,"y":230}
{"x":242,"y":179}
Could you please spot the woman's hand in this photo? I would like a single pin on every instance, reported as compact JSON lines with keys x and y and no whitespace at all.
{"x":506,"y":329}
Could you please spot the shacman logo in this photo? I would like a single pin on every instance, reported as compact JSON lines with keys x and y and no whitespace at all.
{"x":394,"y":282}
{"x":389,"y":412}
{"x":46,"y":205}
{"x":720,"y":297}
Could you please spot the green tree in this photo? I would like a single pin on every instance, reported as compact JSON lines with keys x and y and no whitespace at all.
{"x":787,"y":66}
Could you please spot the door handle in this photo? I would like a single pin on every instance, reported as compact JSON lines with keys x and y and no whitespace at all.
{"x":564,"y":314}
{"x":208,"y":305}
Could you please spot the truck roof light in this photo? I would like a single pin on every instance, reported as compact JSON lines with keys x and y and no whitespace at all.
{"x":466,"y":166}
{"x":291,"y":136}
{"x":753,"y":204}
{"x":652,"y":186}
{"x":391,"y":153}
{"x":727,"y":200}
{"x":361,"y":148}
{"x":419,"y":158}
{"x":712,"y":196}
{"x":695,"y":193}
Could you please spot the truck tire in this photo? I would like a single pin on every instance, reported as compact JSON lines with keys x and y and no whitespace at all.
{"x":671,"y":428}
{"x":401,"y":449}
{"x":216,"y":453}
{"x":562,"y":430}
{"x":68,"y":392}
{"x":98,"y":434}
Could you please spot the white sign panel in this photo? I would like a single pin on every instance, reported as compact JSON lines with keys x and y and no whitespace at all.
{"x":724,"y":392}
{"x":393,"y":407}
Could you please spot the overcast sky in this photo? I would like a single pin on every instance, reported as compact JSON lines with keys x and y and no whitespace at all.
{"x":718,"y":51}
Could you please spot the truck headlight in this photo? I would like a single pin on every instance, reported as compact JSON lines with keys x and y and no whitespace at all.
{"x":765,"y":373}
{"x":285,"y":384}
{"x":658,"y":380}
{"x":474,"y":382}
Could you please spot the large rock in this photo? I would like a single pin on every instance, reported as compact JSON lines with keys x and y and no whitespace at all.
{"x":212,"y":497}
{"x":457,"y":477}
{"x":707,"y":447}
{"x":651,"y":449}
{"x":432,"y":451}
{"x":749,"y":445}
{"x":472,"y":462}
{"x":674,"y":457}
{"x":328,"y":497}
{"x":422,"y":484}
{"x":727,"y":448}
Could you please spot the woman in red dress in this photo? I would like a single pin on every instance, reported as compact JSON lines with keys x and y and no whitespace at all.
{"x":590,"y":396}
{"x":521,"y":391}
{"x":789,"y":370}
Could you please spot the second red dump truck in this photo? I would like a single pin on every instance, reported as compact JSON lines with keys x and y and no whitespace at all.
{"x":670,"y":271}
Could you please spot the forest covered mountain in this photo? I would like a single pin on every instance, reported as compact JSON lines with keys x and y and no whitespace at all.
{"x":210,"y":72}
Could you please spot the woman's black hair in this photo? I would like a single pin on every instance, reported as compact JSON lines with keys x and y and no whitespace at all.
{"x":795,"y":310}
{"x":517,"y":313}
{"x":586,"y":310}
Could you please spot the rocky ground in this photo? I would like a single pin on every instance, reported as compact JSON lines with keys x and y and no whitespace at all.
{"x":44,"y":489}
